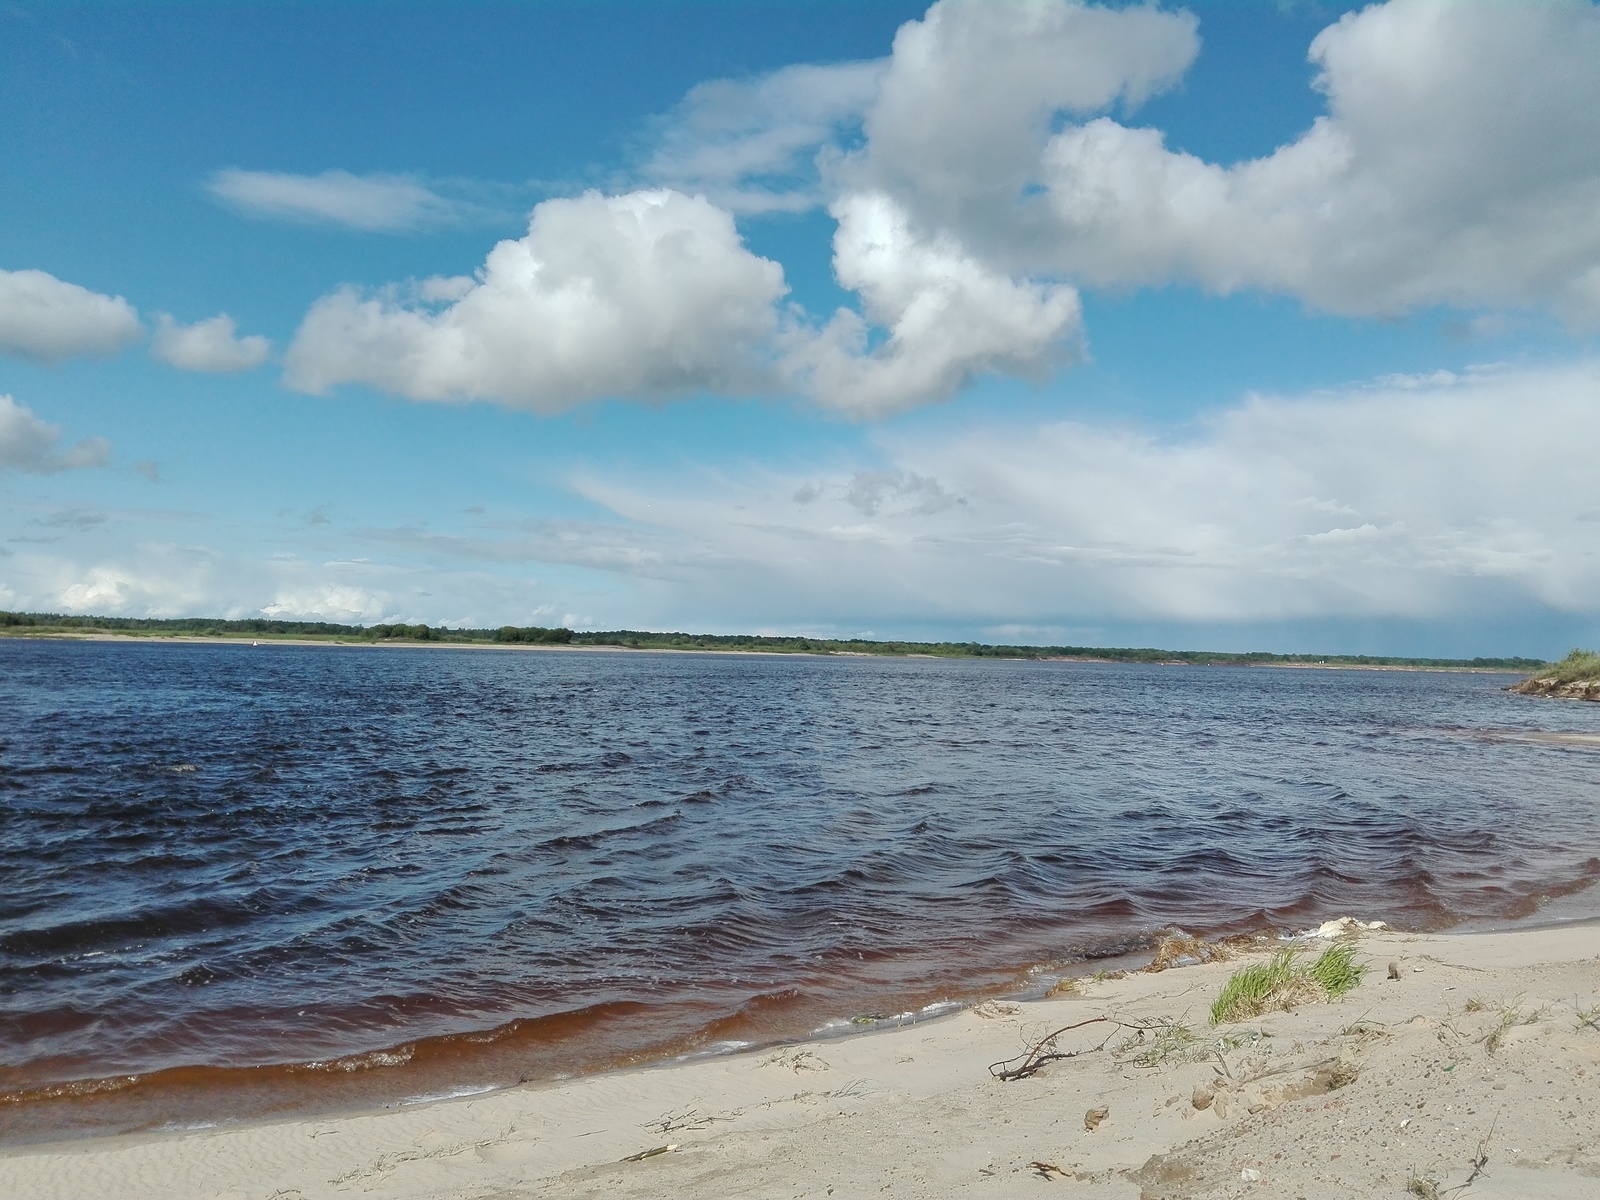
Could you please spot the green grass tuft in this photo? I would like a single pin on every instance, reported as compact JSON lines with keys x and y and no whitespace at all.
{"x":1252,"y":990}
{"x":1337,"y":971}
{"x":1284,"y":981}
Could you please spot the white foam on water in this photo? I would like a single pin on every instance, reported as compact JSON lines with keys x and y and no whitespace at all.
{"x":731,"y":1046}
{"x":453,"y":1094}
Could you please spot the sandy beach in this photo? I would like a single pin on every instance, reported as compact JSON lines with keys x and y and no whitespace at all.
{"x":1478,"y":1064}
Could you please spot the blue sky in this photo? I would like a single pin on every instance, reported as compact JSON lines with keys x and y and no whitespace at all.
{"x":1233,"y":325}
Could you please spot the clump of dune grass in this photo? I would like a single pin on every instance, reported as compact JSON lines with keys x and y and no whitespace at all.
{"x":1284,"y":981}
{"x":1580,"y":666}
{"x":1337,"y":971}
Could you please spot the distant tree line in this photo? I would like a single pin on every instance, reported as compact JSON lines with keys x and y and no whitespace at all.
{"x":256,"y":626}
{"x":534,"y":635}
{"x":640,"y":639}
{"x":184,"y":625}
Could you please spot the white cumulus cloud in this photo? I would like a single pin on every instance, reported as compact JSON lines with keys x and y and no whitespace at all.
{"x":33,"y":445}
{"x":948,"y":317}
{"x":209,"y":345}
{"x":985,"y":170}
{"x":653,"y":293}
{"x":374,"y":203}
{"x":1458,"y":164}
{"x":341,"y":603}
{"x":972,"y":89}
{"x":640,"y":295}
{"x":48,"y":319}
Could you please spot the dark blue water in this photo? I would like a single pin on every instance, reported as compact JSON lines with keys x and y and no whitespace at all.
{"x":236,"y":879}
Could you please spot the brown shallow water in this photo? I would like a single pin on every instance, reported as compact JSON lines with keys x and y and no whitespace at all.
{"x":249,"y":880}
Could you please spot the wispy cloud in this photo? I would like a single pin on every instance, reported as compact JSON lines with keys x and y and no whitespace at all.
{"x":374,"y":203}
{"x":752,"y":145}
{"x":607,"y":546}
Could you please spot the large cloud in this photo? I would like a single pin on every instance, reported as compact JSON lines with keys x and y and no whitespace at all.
{"x":1456,"y":502}
{"x":1459,"y":164}
{"x":641,"y":295}
{"x":653,"y":293}
{"x":1408,"y":498}
{"x":209,"y":345}
{"x":30,"y":444}
{"x":972,"y":89}
{"x":48,"y":319}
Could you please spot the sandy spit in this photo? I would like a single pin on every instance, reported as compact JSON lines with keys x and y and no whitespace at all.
{"x":1479,"y":1063}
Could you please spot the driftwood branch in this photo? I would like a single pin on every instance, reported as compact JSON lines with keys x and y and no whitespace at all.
{"x":1044,"y":1050}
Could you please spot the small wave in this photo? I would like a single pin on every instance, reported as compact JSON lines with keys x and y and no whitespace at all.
{"x":374,"y":1059}
{"x":452,"y":1094}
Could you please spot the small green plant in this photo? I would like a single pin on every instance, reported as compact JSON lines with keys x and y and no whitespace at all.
{"x":1497,"y":1035}
{"x":1510,"y":1017}
{"x":1284,"y":981}
{"x":1589,"y":1018}
{"x":1337,"y":971}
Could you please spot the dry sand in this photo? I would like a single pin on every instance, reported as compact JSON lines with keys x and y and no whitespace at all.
{"x":1480,"y":1062}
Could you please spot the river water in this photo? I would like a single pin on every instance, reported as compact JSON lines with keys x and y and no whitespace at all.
{"x":241,"y":880}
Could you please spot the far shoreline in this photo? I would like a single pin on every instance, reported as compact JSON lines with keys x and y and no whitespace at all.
{"x":256,"y":640}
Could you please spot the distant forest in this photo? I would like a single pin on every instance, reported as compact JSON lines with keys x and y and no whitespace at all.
{"x":44,"y":624}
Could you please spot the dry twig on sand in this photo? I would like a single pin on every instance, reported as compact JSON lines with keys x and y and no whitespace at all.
{"x":1428,"y":1189}
{"x":1044,"y":1050}
{"x":651,"y":1153}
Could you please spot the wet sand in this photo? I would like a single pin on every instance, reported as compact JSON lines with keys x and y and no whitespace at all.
{"x":1479,"y":1062}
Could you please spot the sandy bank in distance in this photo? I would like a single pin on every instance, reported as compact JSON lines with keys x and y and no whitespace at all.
{"x":1481,"y":1060}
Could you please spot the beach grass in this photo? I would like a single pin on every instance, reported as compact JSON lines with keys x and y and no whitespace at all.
{"x":1284,"y":980}
{"x":1337,"y":971}
{"x":1579,"y":666}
